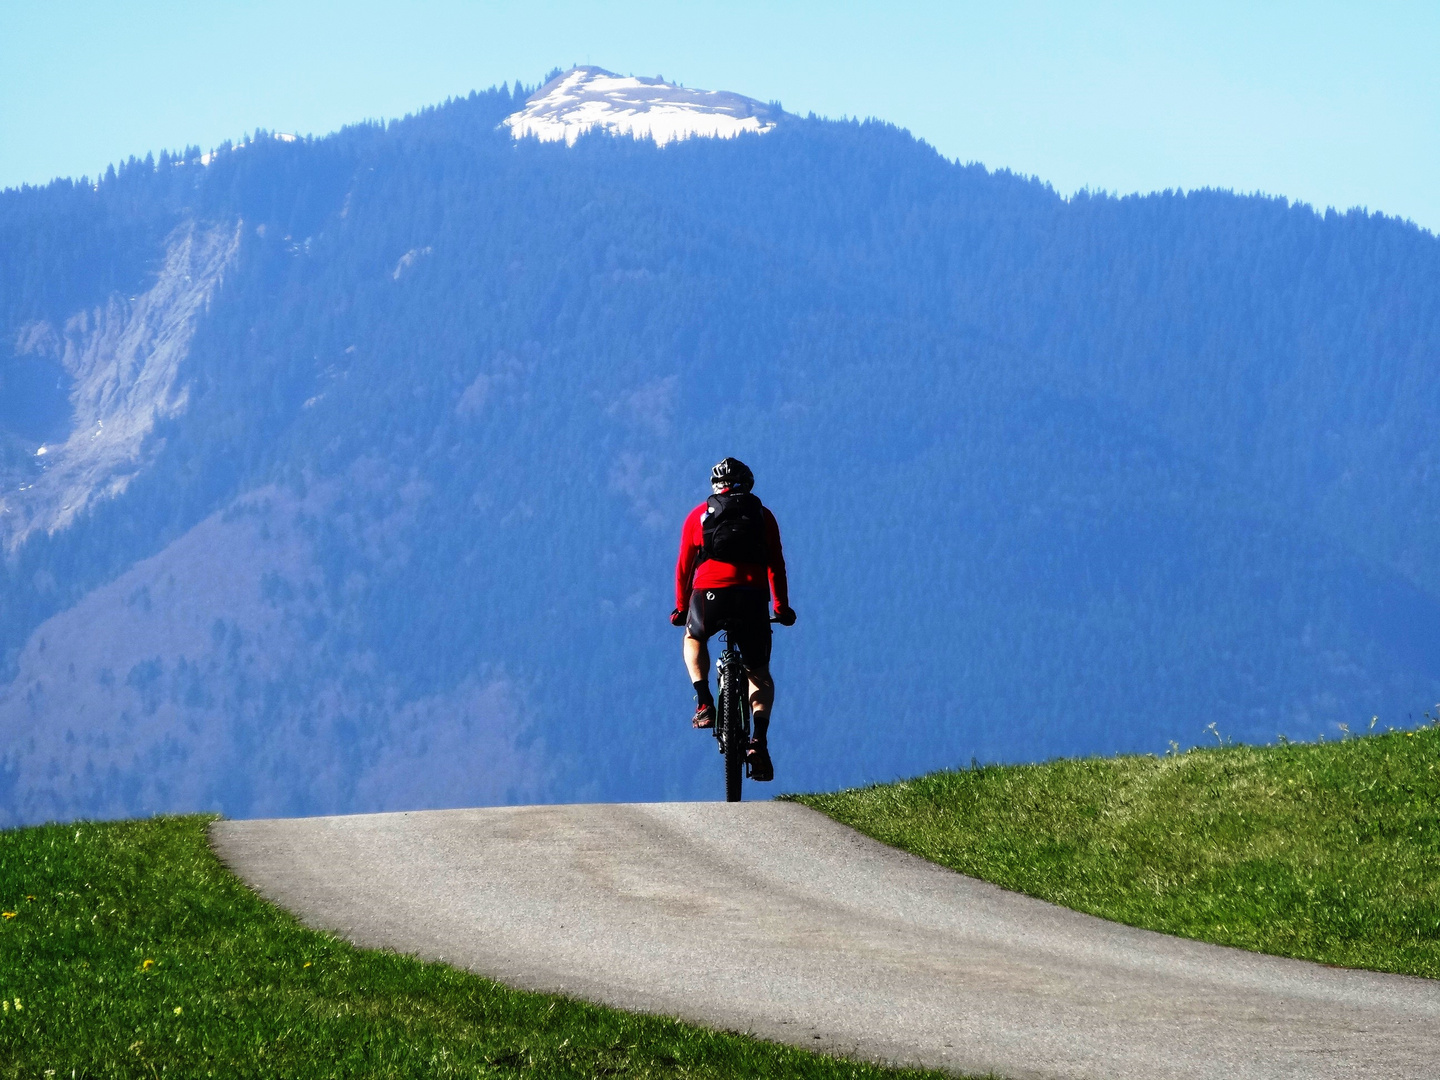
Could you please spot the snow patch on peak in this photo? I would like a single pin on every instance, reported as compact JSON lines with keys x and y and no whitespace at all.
{"x":584,"y":98}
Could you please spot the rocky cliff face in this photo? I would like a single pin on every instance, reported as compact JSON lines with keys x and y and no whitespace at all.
{"x":123,"y":363}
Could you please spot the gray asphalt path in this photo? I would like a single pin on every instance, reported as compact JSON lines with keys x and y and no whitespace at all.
{"x":772,"y":919}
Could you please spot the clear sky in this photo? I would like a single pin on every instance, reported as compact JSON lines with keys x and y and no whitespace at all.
{"x":1336,"y":104}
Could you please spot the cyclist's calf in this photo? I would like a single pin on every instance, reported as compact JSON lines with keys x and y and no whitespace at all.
{"x":697,"y":658}
{"x":762,"y":691}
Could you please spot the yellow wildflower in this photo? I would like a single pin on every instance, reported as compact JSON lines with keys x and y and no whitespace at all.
{"x":147,"y":965}
{"x":177,"y":1010}
{"x":7,"y":914}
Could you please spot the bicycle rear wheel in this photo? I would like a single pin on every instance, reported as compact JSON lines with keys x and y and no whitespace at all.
{"x":732,"y":717}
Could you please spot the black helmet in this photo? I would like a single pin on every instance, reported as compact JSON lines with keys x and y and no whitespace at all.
{"x":731,"y":475}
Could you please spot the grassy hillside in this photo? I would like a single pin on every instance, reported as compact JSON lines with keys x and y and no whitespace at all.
{"x":1327,"y":852}
{"x":126,"y":950}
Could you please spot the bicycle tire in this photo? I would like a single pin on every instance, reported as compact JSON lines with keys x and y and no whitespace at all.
{"x":733,"y":737}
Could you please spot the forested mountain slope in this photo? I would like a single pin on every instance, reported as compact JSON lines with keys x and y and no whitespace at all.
{"x":366,"y":459}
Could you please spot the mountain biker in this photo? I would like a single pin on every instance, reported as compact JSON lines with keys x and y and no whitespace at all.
{"x":730,"y":564}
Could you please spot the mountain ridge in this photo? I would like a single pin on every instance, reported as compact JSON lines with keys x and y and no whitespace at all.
{"x":1127,"y":466}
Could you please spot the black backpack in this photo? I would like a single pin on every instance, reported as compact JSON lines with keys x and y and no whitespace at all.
{"x":734,"y":528}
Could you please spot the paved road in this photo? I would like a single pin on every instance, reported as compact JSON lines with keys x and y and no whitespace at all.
{"x":770,"y":918}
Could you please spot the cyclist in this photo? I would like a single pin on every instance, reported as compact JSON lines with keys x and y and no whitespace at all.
{"x":730,"y":565}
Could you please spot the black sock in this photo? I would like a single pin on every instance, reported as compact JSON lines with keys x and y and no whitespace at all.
{"x":761,"y":724}
{"x":703,"y":695}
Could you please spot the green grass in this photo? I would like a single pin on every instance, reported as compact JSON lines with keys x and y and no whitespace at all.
{"x":131,"y":952}
{"x":127,"y":950}
{"x":1327,"y":852}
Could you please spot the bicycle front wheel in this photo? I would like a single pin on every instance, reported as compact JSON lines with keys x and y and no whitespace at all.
{"x":732,"y":718}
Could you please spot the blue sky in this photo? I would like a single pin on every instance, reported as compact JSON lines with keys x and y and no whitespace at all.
{"x":1333,"y":104}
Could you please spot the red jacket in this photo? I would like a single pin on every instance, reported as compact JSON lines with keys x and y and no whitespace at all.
{"x":714,"y":574}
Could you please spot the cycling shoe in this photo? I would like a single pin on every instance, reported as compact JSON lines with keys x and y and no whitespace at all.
{"x":757,"y":762}
{"x":704,"y":717}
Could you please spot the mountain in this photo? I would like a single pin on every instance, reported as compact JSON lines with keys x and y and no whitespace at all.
{"x":365,"y":457}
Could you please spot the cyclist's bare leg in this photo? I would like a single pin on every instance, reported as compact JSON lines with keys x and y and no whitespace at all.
{"x":762,"y":694}
{"x":697,"y":659}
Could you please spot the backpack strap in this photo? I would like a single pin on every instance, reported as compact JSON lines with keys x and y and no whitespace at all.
{"x":710,"y":508}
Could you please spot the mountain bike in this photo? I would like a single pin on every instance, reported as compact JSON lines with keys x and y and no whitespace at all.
{"x":732,"y":722}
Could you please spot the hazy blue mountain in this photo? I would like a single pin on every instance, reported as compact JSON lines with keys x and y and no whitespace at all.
{"x":365,"y":460}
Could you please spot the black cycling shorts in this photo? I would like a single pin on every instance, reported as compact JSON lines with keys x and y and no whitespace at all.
{"x":743,"y":611}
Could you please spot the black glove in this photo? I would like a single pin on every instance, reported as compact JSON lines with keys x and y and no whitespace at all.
{"x":785,"y":616}
{"x":677,"y":617}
